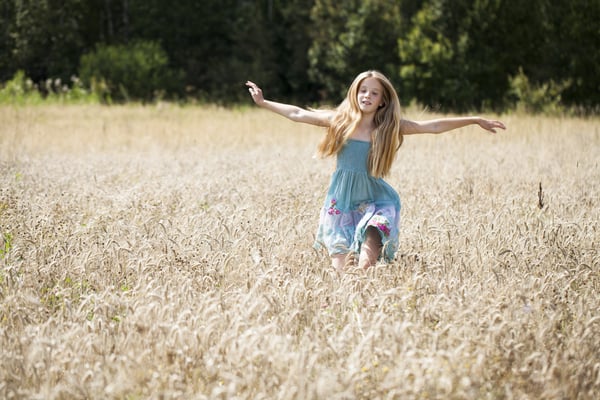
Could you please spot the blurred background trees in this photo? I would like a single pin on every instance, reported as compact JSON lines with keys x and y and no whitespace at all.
{"x":450,"y":55}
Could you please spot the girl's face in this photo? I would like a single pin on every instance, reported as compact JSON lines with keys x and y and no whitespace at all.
{"x":370,"y":95}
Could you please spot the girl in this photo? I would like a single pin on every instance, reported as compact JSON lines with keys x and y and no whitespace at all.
{"x":361,"y":213}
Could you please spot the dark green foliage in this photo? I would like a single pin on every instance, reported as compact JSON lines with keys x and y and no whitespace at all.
{"x":41,"y":37}
{"x":452,"y":55}
{"x":351,"y":36}
{"x":137,"y":71}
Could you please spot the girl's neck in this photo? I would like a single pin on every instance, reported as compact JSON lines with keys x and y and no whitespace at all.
{"x":364,"y":128}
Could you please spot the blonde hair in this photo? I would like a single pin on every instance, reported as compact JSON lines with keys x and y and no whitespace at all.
{"x":386,"y":138}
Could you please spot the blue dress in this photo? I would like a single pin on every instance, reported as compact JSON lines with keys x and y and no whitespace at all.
{"x":355,"y":201}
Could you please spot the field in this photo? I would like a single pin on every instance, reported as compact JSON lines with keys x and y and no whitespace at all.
{"x":166,"y":252}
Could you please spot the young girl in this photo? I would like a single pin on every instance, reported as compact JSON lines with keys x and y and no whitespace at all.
{"x":361,"y":213}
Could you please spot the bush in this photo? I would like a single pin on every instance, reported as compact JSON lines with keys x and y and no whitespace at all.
{"x":135,"y":71}
{"x":22,"y":90}
{"x":19,"y":90}
{"x":533,"y":98}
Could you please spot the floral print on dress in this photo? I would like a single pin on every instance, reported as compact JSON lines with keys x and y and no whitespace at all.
{"x":382,"y":223}
{"x":333,"y":210}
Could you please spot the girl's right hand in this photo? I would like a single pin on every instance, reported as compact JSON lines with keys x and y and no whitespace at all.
{"x":255,"y":92}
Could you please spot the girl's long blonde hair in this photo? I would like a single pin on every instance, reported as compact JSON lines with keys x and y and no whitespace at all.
{"x":386,"y":138}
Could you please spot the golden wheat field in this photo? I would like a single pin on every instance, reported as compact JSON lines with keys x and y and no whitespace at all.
{"x":166,"y":252}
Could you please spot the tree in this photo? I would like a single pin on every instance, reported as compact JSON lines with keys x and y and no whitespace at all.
{"x":452,"y":57}
{"x":351,"y":36}
{"x":575,"y":51}
{"x":7,"y":45}
{"x":217,"y":43}
{"x":291,"y":28}
{"x":46,"y":37}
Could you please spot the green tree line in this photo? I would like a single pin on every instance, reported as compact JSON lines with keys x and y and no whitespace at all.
{"x":451,"y":55}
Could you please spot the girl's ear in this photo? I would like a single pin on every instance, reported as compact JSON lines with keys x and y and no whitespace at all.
{"x":382,"y":105}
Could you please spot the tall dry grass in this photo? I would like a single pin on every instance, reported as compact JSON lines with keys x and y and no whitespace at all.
{"x":165,"y":252}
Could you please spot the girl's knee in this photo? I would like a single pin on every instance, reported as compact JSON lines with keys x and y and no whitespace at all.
{"x":372,"y":237}
{"x":371,"y":248}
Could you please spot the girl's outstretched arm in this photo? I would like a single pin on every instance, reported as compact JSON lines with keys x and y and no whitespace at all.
{"x":447,"y":124}
{"x":295,"y":113}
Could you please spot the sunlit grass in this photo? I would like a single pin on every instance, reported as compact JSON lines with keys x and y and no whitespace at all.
{"x":165,"y":251}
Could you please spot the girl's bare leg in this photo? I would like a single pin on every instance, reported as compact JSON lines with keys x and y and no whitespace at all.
{"x":339,"y":262}
{"x":370,"y":249}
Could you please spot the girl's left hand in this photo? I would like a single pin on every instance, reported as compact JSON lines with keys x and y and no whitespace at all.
{"x":490,"y":125}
